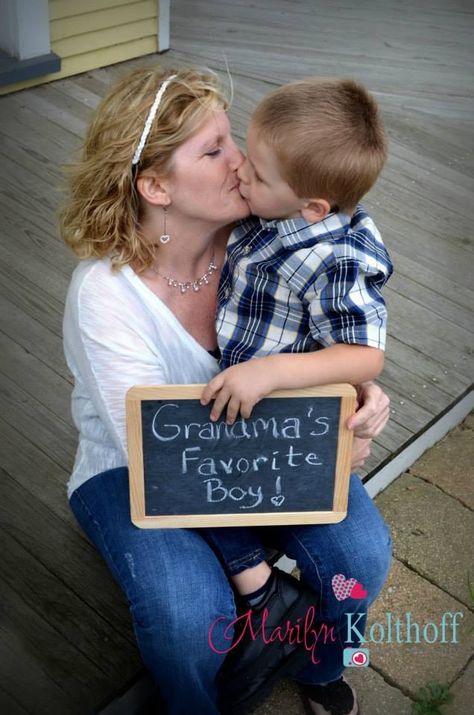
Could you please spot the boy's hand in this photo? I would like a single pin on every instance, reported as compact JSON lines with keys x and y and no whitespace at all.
{"x":239,"y":387}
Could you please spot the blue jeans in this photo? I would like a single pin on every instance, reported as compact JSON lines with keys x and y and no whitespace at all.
{"x":238,"y":548}
{"x":176,"y":586}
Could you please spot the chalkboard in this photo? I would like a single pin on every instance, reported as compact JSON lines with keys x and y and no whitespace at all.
{"x":288,"y":463}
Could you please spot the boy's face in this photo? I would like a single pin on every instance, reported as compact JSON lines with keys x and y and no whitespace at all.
{"x":261,"y":183}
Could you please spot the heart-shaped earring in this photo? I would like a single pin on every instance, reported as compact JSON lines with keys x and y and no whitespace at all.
{"x":165,"y":237}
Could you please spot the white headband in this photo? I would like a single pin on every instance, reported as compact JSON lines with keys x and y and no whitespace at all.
{"x":149,"y":120}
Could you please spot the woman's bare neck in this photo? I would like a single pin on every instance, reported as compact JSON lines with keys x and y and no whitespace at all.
{"x":194,"y":310}
{"x":188,"y":252}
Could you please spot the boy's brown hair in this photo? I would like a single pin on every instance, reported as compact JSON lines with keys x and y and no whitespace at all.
{"x":328,"y":138}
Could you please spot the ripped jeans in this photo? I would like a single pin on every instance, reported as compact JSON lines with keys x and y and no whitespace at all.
{"x":177,"y":588}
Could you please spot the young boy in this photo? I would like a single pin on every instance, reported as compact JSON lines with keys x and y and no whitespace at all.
{"x":306,"y":279}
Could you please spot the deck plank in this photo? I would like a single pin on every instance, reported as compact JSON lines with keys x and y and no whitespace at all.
{"x":72,"y":560}
{"x":24,"y":678}
{"x":38,"y":219}
{"x":432,"y":332}
{"x":33,"y":301}
{"x":61,"y":111}
{"x":20,"y":123}
{"x":42,"y":275}
{"x":36,"y":422}
{"x":68,"y":619}
{"x":409,"y":269}
{"x":68,"y":668}
{"x":21,"y":457}
{"x":36,"y":378}
{"x":10,"y":705}
{"x":36,"y":238}
{"x":23,"y":162}
{"x":27,"y":332}
{"x":425,"y":370}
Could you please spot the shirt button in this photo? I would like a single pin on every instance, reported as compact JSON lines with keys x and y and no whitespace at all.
{"x":227,"y":292}
{"x":246,"y":250}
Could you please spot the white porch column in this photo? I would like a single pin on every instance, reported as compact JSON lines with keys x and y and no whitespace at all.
{"x":24,"y":28}
{"x":163,"y":25}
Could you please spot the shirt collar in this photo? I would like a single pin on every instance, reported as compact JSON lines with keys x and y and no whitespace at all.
{"x":297,"y":230}
{"x":273,"y":223}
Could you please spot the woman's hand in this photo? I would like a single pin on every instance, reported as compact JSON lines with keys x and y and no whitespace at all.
{"x":239,"y":387}
{"x":372,"y":411}
{"x":360,"y":452}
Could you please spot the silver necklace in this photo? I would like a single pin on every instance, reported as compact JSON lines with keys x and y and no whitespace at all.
{"x":184,"y":286}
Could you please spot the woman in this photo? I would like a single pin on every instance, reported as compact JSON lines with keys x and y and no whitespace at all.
{"x":151,"y":206}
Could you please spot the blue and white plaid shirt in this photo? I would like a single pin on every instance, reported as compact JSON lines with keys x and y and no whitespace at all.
{"x":290,"y":286}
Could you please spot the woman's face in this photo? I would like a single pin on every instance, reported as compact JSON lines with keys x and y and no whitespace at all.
{"x":203,"y":185}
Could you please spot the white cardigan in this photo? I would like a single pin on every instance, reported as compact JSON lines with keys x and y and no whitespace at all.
{"x":118,"y":333}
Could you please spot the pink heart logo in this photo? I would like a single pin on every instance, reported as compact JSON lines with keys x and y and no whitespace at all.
{"x":342,"y":587}
{"x":347,"y":588}
{"x":359,"y":658}
{"x":359,"y":591}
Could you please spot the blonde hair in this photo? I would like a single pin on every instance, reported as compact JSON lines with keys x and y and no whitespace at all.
{"x":328,"y":138}
{"x":101,"y":216}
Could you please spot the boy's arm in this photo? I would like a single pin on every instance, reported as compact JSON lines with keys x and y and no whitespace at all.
{"x":241,"y":386}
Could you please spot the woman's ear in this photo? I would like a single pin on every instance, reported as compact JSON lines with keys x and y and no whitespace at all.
{"x":315,"y":210}
{"x":153,"y":189}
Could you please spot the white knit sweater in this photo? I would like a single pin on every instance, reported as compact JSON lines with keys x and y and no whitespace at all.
{"x":118,"y":333}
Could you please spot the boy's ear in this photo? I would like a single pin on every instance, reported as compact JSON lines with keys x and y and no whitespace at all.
{"x":315,"y":210}
{"x":153,"y":189}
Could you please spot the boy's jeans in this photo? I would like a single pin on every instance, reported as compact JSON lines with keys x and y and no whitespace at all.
{"x":176,"y":587}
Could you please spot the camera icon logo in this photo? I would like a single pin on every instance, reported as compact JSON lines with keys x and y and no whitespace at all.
{"x":356,"y":657}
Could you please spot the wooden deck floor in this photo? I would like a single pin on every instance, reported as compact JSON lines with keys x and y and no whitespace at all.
{"x":65,"y":638}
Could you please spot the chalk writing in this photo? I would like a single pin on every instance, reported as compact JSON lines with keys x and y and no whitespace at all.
{"x":288,"y":428}
{"x":278,"y":498}
{"x":282,"y":458}
{"x":216,"y":492}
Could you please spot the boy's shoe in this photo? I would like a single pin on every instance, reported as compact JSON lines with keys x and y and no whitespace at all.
{"x":252,"y":669}
{"x":337,"y":698}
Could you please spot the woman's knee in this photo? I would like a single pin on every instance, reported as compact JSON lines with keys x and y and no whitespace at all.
{"x":367,"y":541}
{"x":179,"y":628}
{"x":359,"y":547}
{"x":372,"y":570}
{"x":367,"y":556}
{"x":182,"y":598}
{"x":367,"y":565}
{"x":179,"y":619}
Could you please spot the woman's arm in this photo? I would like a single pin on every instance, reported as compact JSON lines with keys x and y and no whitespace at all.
{"x":369,"y":420}
{"x":360,"y":452}
{"x":109,"y":348}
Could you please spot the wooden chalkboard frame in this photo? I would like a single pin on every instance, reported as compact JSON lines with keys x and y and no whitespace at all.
{"x":137,"y":394}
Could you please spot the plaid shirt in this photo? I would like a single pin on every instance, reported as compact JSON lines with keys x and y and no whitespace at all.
{"x":290,"y":286}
